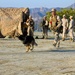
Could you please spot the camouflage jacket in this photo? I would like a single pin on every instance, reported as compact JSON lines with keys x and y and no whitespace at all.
{"x":55,"y":24}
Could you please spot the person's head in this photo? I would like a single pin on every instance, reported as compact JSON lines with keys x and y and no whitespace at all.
{"x":71,"y":17}
{"x":53,"y":11}
{"x":64,"y":16}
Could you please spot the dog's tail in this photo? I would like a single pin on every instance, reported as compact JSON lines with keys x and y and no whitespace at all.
{"x":35,"y":43}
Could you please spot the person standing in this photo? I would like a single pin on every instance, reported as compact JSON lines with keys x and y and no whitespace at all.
{"x":30,"y":24}
{"x":65,"y":27}
{"x":45,"y":27}
{"x":54,"y":25}
{"x":71,"y":26}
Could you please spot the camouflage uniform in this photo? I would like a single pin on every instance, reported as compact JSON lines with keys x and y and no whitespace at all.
{"x":65,"y":27}
{"x":54,"y":25}
{"x":71,"y":26}
{"x":45,"y":27}
{"x":30,"y":30}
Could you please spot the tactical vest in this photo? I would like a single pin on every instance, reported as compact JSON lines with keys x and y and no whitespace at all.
{"x":53,"y":22}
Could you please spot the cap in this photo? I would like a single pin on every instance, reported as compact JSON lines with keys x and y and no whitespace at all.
{"x":53,"y":10}
{"x":64,"y":15}
{"x":71,"y":17}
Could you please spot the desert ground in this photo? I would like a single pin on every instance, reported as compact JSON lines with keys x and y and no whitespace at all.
{"x":44,"y":60}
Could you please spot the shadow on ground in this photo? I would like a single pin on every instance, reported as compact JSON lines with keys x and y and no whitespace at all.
{"x":54,"y":51}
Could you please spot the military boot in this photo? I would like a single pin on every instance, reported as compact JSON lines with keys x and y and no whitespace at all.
{"x":72,"y":40}
{"x":58,"y":44}
{"x":54,"y":44}
{"x":63,"y":39}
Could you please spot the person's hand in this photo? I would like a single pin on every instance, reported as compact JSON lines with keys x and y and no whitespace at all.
{"x":55,"y":28}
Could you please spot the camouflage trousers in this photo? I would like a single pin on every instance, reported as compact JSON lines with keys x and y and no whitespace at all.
{"x":45,"y":32}
{"x":57,"y":39}
{"x":64,"y":35}
{"x":71,"y":33}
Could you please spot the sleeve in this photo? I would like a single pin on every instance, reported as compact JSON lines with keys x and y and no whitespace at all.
{"x":50,"y":22}
{"x":59,"y":24}
{"x":46,"y":23}
{"x":67,"y":23}
{"x":71,"y":24}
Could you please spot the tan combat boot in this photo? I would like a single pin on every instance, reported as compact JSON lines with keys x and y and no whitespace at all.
{"x":63,"y":39}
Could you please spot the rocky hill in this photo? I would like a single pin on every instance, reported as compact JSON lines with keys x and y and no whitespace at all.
{"x":71,"y":6}
{"x":40,"y":12}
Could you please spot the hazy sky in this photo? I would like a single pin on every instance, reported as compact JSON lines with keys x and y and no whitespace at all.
{"x":36,"y":3}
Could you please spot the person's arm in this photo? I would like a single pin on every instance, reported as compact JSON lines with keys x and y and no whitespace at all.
{"x":46,"y":23}
{"x":59,"y":24}
{"x":71,"y":24}
{"x":67,"y":24}
{"x":50,"y":23}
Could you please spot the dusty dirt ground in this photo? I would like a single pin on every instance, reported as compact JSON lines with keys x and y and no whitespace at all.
{"x":44,"y":60}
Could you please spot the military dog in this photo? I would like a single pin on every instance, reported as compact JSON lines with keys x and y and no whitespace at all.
{"x":29,"y":42}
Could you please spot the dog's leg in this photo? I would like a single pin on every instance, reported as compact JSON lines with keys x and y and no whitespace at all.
{"x":32,"y":47}
{"x":27,"y":48}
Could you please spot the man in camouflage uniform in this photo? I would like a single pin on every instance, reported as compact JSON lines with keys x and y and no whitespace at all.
{"x":55,"y":24}
{"x":45,"y":27}
{"x":65,"y":27}
{"x":30,"y":23}
{"x":71,"y":27}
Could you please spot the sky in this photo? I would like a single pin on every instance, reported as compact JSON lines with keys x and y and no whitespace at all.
{"x":36,"y":3}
